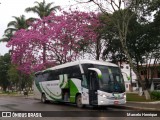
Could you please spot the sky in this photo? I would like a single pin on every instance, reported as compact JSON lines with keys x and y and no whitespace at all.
{"x":9,"y":8}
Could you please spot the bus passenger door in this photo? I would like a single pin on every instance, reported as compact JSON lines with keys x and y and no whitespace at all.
{"x":84,"y":90}
{"x":93,"y":87}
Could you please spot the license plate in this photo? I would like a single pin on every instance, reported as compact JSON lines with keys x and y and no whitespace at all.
{"x":116,"y":102}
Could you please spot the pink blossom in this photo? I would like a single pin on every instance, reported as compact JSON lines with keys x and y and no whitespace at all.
{"x":63,"y":35}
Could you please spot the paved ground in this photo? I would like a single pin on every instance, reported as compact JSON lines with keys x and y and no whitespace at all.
{"x":21,"y":104}
{"x":145,"y":106}
{"x":150,"y":106}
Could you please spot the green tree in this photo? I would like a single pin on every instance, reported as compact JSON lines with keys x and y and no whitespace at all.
{"x":17,"y":24}
{"x":19,"y":80}
{"x":13,"y":76}
{"x":121,"y":18}
{"x":4,"y":66}
{"x":142,"y":44}
{"x":6,"y":36}
{"x":113,"y":49}
{"x":42,"y":9}
{"x":143,"y":48}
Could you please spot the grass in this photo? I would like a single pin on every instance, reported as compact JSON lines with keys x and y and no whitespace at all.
{"x":12,"y":93}
{"x":136,"y":98}
{"x":7,"y":92}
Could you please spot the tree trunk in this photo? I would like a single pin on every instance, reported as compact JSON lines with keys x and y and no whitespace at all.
{"x":4,"y":88}
{"x":44,"y":53}
{"x":98,"y":48}
{"x":147,"y":95}
{"x":44,"y":45}
{"x":140,"y":91}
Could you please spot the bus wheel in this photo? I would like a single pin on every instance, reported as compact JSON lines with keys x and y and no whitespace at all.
{"x":43,"y":98}
{"x":79,"y":101}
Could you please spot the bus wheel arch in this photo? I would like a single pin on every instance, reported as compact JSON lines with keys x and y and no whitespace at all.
{"x":78,"y":100}
{"x":43,"y":98}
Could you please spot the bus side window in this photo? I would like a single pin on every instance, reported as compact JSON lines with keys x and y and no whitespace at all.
{"x":93,"y":79}
{"x":56,"y":77}
{"x":67,"y":71}
{"x":84,"y":81}
{"x":45,"y":76}
{"x":53,"y":75}
{"x":85,"y":69}
{"x":39,"y":77}
{"x":73,"y":72}
{"x":76,"y":73}
{"x":50,"y":76}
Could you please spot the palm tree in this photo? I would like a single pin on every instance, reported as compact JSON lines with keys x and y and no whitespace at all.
{"x":17,"y":24}
{"x":13,"y":26}
{"x":6,"y":36}
{"x":42,"y":10}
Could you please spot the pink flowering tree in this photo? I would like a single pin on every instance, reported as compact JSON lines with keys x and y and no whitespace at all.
{"x":65,"y":36}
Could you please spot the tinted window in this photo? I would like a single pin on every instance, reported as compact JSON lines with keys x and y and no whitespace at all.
{"x":112,"y":80}
{"x":86,"y":66}
{"x":45,"y":76}
{"x":76,"y":73}
{"x":38,"y":78}
{"x":84,"y":81}
{"x":67,"y":70}
{"x":85,"y":69}
{"x":41,"y":76}
{"x":73,"y":72}
{"x":54,"y":75}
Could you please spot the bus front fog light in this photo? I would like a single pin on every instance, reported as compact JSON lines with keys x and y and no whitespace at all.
{"x":102,"y":101}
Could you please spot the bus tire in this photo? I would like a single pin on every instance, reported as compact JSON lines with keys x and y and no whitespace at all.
{"x":43,"y":98}
{"x":79,"y":101}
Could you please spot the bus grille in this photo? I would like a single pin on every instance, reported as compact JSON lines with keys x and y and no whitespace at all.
{"x":115,"y":98}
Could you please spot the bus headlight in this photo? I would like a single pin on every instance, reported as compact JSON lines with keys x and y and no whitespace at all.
{"x":104,"y":96}
{"x":124,"y":95}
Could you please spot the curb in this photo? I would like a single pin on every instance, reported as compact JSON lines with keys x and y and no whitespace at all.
{"x":142,"y":108}
{"x":136,"y":108}
{"x":155,"y":102}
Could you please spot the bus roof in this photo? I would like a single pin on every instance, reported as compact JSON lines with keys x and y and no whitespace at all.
{"x":82,"y":62}
{"x":79,"y":62}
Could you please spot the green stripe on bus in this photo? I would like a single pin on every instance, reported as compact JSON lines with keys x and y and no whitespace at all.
{"x":62,"y":83}
{"x":66,"y":86}
{"x":73,"y":91}
{"x":100,"y":76}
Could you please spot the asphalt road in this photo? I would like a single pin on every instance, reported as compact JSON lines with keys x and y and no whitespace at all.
{"x":61,"y":111}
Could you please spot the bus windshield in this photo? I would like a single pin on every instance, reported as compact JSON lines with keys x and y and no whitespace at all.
{"x":111,"y":79}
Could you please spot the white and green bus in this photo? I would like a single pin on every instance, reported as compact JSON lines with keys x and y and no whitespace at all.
{"x":84,"y":82}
